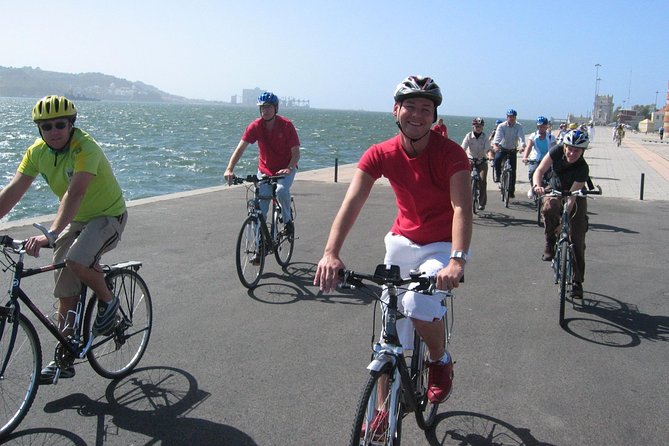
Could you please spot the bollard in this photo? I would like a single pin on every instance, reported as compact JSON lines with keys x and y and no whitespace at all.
{"x":643,"y":175}
{"x":336,"y":172}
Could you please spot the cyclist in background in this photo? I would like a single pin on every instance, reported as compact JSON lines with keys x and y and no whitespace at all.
{"x":619,"y":133}
{"x":540,"y":142}
{"x":441,"y":128}
{"x":494,"y":130}
{"x":506,"y":140}
{"x":570,"y":173}
{"x":430,"y":176}
{"x":477,"y":146}
{"x":278,"y":153}
{"x":91,"y":216}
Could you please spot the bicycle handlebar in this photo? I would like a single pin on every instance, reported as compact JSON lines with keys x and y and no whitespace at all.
{"x":577,"y":193}
{"x":18,"y":245}
{"x":255,"y":180}
{"x":389,"y":275}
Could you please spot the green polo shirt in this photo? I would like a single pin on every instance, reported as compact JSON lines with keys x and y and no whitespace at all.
{"x":103,"y":196}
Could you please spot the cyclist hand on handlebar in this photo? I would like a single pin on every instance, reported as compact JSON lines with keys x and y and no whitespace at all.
{"x":449,"y":277}
{"x":34,"y":243}
{"x":327,"y":272}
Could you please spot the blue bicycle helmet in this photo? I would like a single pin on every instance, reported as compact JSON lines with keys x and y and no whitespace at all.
{"x":577,"y":138}
{"x":499,"y":121}
{"x":268,"y":98}
{"x":542,"y":120}
{"x":511,"y":112}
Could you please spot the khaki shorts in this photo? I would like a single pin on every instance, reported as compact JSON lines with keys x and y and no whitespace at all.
{"x":84,"y":243}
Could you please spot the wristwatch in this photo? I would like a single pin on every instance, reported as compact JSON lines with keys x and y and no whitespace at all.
{"x":461,"y":255}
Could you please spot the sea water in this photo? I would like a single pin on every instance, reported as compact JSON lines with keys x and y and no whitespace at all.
{"x":157,"y":149}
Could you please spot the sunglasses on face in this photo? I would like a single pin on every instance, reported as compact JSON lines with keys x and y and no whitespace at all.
{"x":47,"y":126}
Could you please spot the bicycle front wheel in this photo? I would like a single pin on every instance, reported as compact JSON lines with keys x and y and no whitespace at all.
{"x":373,"y":424}
{"x":475,"y":196}
{"x":19,"y":382}
{"x":539,"y":203}
{"x":505,"y":188}
{"x":116,"y":354}
{"x":564,"y":278}
{"x":426,"y":411}
{"x":285,"y":243}
{"x":250,"y":255}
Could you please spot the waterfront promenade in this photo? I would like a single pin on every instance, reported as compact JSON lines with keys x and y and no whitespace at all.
{"x":284,"y":364}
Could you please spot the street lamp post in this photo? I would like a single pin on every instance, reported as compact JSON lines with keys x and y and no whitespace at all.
{"x":594,"y":108}
{"x":655,"y":103}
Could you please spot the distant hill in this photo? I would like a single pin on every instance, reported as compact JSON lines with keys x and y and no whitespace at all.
{"x":35,"y":83}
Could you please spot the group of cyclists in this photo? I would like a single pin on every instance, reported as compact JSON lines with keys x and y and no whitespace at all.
{"x":554,"y":162}
{"x":429,"y":174}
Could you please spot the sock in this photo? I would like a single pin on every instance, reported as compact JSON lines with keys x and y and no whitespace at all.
{"x":444,"y":359}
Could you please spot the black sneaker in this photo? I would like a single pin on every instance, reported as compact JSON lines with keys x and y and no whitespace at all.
{"x":577,"y":291}
{"x":49,"y":373}
{"x":104,"y":321}
{"x":289,"y":229}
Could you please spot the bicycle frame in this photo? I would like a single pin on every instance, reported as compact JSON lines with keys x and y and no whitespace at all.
{"x":254,"y":210}
{"x":401,"y":391}
{"x":18,"y":295}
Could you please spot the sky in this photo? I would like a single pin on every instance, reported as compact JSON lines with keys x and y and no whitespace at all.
{"x":487,"y":56}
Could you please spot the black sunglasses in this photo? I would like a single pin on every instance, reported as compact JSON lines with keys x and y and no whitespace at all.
{"x":47,"y":126}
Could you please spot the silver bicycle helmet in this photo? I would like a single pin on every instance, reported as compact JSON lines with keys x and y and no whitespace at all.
{"x":577,"y":138}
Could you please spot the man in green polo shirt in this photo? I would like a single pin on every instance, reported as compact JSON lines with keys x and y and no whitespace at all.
{"x":90,"y":218}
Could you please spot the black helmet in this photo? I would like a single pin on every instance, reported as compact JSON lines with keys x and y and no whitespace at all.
{"x":418,"y":87}
{"x":478,"y":121}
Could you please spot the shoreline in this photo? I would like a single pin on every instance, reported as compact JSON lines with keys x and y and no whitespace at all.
{"x":618,"y":170}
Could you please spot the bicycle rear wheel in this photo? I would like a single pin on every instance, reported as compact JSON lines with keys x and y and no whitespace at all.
{"x":115,"y":355}
{"x":371,"y":426}
{"x":250,"y":255}
{"x":19,"y":382}
{"x":283,"y":251}
{"x":564,"y":279}
{"x":426,"y":411}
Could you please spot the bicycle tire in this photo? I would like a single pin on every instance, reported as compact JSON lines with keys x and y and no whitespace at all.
{"x":475,"y":196}
{"x":366,"y":411}
{"x":539,"y":202}
{"x":116,"y":355}
{"x":249,"y":272}
{"x":285,"y":244}
{"x":426,"y":411}
{"x":505,"y":187}
{"x":564,"y":255}
{"x":20,"y":381}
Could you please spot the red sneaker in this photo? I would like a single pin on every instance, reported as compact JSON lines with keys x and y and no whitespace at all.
{"x":379,"y":426}
{"x":439,"y":381}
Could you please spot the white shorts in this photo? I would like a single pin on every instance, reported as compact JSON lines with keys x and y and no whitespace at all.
{"x":428,"y":259}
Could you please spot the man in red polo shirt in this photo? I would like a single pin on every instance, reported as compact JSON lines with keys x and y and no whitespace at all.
{"x":279,"y":152}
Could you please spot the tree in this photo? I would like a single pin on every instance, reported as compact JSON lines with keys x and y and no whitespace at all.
{"x":644,"y":110}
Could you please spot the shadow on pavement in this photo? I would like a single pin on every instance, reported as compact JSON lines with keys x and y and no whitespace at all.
{"x":598,"y":227}
{"x":154,"y":402}
{"x":475,"y":429}
{"x":295,"y":283}
{"x":46,"y":437}
{"x":621,"y":321}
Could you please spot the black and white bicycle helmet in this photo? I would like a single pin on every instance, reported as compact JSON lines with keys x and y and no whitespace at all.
{"x":418,"y":87}
{"x":577,"y":138}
